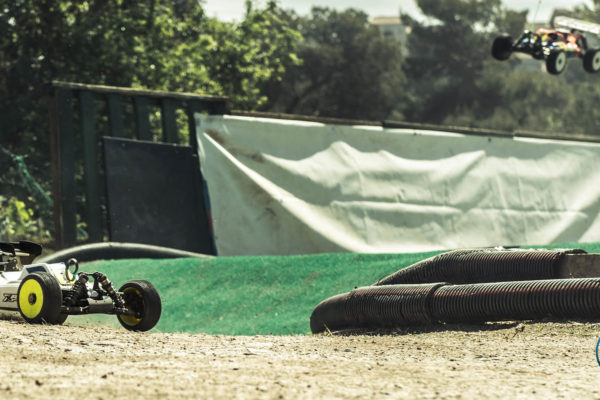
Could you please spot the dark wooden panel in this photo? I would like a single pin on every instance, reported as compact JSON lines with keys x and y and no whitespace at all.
{"x":142,"y":118}
{"x":115,"y":115}
{"x":133,"y":92}
{"x":192,"y":108}
{"x":155,"y":195}
{"x":91,"y":167}
{"x":64,"y":99}
{"x":169,"y":124}
{"x":67,"y":158}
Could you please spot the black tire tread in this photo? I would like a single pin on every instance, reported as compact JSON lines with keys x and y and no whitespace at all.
{"x":502,"y":47}
{"x":551,"y":63}
{"x":152,"y":305}
{"x":50,"y":312}
{"x":588,"y":61}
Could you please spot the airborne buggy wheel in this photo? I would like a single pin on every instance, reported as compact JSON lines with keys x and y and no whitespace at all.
{"x":556,"y":62}
{"x":142,"y":298}
{"x":39,"y":299}
{"x":502,"y":47}
{"x":591,"y":61}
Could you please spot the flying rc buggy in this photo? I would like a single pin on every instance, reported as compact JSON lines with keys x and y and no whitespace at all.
{"x":554,"y":46}
{"x":50,"y":292}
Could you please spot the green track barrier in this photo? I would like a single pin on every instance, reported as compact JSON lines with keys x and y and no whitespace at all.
{"x":252,"y":295}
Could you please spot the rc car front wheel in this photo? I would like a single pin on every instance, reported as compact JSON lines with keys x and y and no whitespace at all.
{"x":556,"y":62}
{"x":591,"y":61}
{"x":39,"y":299}
{"x":142,"y":298}
{"x":502,"y":48}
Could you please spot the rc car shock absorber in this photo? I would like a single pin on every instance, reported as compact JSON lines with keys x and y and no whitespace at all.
{"x":78,"y":291}
{"x":108,"y":287}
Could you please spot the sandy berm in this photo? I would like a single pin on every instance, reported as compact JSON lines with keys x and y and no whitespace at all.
{"x":500,"y":360}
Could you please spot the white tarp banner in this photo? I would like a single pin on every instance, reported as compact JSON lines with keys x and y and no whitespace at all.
{"x":292,"y":187}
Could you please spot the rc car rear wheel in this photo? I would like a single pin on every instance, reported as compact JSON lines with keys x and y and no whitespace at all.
{"x":502,"y":47}
{"x":142,"y":298}
{"x":61,"y":319}
{"x":556,"y":62}
{"x":39,"y":299}
{"x":591,"y":61}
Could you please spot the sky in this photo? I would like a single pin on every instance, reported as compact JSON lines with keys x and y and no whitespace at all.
{"x":229,"y":10}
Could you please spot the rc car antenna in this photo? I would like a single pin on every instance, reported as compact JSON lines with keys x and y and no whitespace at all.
{"x":537,"y":8}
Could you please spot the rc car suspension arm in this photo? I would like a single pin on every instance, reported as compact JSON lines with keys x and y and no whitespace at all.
{"x":94,"y":298}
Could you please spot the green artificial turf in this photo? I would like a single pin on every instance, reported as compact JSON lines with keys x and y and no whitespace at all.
{"x":252,"y":294}
{"x":247,"y":295}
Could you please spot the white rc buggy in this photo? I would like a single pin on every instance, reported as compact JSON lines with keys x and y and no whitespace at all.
{"x":50,"y":292}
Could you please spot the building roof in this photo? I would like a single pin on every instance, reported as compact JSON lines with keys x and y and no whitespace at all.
{"x":386,"y":21}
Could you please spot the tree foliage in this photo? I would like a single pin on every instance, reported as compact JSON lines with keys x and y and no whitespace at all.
{"x":157,"y":44}
{"x":348,"y":70}
{"x":447,"y":56}
{"x":255,"y":53}
{"x":456,"y":81}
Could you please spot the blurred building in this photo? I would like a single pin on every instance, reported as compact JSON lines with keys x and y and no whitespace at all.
{"x":393,"y":28}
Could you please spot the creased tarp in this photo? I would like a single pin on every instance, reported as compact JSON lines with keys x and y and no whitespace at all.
{"x":293,"y":187}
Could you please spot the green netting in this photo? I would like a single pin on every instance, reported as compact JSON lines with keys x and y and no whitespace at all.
{"x":23,"y":179}
{"x":252,"y":295}
{"x":26,"y":181}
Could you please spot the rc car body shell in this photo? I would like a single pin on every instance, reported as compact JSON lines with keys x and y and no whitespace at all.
{"x":10,"y":281}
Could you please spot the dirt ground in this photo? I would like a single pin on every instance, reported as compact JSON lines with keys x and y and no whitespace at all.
{"x":503,"y":360}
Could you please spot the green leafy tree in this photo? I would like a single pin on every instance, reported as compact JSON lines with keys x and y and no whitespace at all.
{"x":348,"y":70}
{"x":256,"y":53}
{"x":447,"y":55}
{"x":17,"y":221}
{"x":518,"y":99}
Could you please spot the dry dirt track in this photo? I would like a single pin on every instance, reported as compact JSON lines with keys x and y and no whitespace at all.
{"x":531,"y":360}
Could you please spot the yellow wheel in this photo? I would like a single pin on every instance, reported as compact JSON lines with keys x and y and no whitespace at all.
{"x":144,"y":303}
{"x":39,"y":299}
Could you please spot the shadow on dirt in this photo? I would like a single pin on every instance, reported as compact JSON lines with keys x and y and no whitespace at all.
{"x":587,"y":326}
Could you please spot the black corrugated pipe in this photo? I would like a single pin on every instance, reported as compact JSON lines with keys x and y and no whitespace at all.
{"x":519,"y":284}
{"x":562,"y":298}
{"x":116,"y":250}
{"x":393,"y":305}
{"x":406,"y":305}
{"x":482,"y":265}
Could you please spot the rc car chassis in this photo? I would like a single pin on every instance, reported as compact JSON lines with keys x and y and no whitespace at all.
{"x":50,"y":292}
